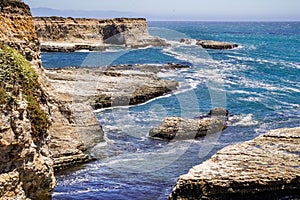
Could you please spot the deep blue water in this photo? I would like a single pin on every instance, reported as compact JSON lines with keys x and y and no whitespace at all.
{"x":257,"y":82}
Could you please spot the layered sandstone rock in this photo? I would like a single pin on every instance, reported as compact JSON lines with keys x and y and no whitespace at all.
{"x":111,"y":86}
{"x":17,"y":30}
{"x":176,"y":128}
{"x":33,"y":117}
{"x":69,"y":34}
{"x":267,"y":167}
{"x":26,"y":167}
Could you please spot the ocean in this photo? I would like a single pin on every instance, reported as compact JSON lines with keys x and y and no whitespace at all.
{"x":258,"y":83}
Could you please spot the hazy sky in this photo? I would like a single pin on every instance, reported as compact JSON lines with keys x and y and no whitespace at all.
{"x":186,"y":10}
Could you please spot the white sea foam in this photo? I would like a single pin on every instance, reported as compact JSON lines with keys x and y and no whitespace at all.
{"x":149,"y":161}
{"x":242,"y":120}
{"x":239,"y":92}
{"x":241,"y":58}
{"x":250,"y":99}
{"x":83,"y":50}
{"x":295,"y":65}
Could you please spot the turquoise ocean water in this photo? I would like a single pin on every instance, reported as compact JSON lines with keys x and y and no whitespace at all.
{"x":258,"y":83}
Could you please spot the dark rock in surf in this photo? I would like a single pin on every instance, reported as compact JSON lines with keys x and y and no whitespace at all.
{"x":218,"y":112}
{"x":211,"y":44}
{"x":176,"y":128}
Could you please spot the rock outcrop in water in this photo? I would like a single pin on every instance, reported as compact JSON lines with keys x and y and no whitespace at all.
{"x":104,"y":87}
{"x":69,"y":34}
{"x":267,"y":167}
{"x":211,"y":44}
{"x":176,"y":128}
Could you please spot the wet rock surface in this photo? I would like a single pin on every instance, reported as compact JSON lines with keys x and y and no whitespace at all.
{"x":209,"y":44}
{"x":267,"y":167}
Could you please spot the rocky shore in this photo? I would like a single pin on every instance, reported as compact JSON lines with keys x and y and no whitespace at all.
{"x":47,"y":121}
{"x":58,"y":34}
{"x":267,"y":167}
{"x":44,"y":129}
{"x":103,"y":87}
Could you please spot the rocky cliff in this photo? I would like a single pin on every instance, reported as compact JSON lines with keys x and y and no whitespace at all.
{"x":36,"y":124}
{"x":66,"y":145}
{"x":69,"y":34}
{"x":26,"y":168}
{"x":267,"y":167}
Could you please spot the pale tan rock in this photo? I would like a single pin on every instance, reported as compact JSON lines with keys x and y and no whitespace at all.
{"x":265,"y":167}
{"x":106,"y":87}
{"x":176,"y":128}
{"x":70,"y":34}
{"x":26,"y":167}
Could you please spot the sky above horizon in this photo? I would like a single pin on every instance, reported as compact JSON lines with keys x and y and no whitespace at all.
{"x":222,"y":10}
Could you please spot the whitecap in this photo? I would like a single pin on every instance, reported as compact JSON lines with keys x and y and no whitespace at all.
{"x":242,"y":120}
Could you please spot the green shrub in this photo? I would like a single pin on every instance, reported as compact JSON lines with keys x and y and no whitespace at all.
{"x":17,"y":77}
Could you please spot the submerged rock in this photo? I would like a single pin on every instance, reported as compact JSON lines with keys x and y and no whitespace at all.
{"x":267,"y":167}
{"x":180,"y":129}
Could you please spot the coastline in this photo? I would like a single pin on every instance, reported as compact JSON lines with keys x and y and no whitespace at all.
{"x":69,"y":97}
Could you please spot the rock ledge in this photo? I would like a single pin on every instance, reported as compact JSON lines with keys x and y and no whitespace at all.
{"x":266,"y":167}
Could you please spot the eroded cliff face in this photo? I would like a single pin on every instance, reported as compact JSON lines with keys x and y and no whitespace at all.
{"x":17,"y":31}
{"x":26,"y":167}
{"x":38,"y":129}
{"x":69,"y":34}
